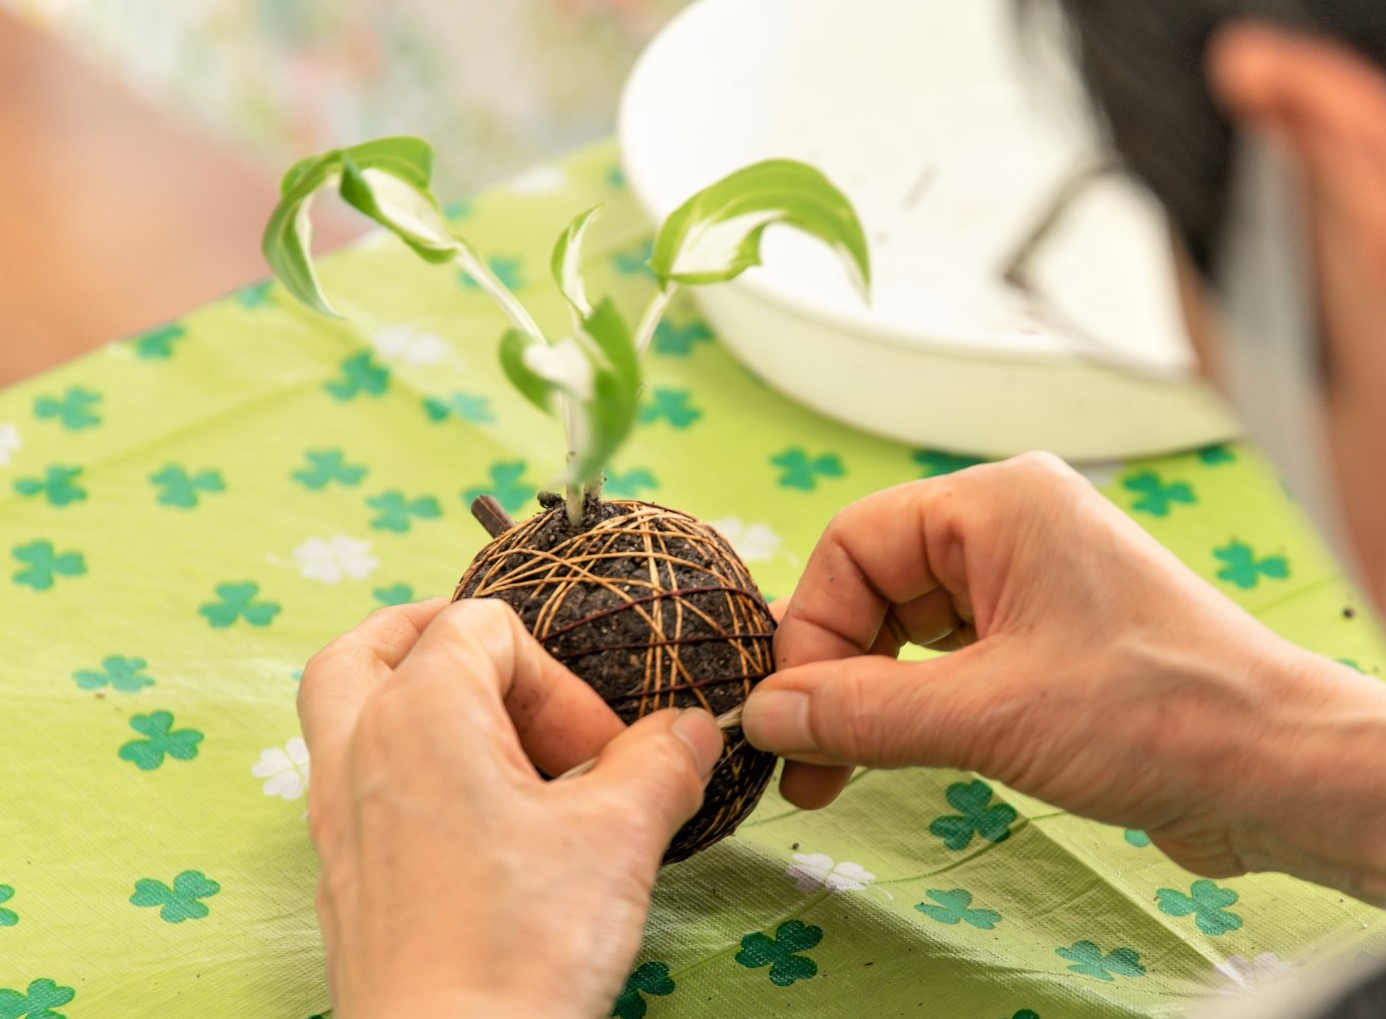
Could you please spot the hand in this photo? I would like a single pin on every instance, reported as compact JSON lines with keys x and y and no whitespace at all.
{"x":455,"y":881}
{"x":1096,"y":673}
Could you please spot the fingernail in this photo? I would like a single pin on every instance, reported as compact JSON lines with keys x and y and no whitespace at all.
{"x":778,"y":720}
{"x":698,"y":730}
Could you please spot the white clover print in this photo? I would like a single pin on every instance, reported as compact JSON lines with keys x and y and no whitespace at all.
{"x":405,"y":344}
{"x":1239,"y":973}
{"x":754,"y":542}
{"x":10,"y":443}
{"x":331,"y":559}
{"x":811,"y":870}
{"x":285,"y":770}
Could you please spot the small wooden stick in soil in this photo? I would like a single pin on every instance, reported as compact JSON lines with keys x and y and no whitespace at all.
{"x":491,"y":515}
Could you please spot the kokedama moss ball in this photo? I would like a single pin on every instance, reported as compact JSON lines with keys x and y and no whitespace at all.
{"x":653,"y":609}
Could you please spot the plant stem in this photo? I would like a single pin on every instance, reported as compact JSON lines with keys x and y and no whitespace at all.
{"x":649,"y":321}
{"x":473,"y":266}
{"x":575,"y":503}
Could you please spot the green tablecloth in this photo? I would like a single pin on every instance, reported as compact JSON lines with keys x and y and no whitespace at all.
{"x":187,"y":515}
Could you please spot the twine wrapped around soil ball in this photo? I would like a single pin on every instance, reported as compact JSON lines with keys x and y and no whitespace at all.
{"x":653,"y":609}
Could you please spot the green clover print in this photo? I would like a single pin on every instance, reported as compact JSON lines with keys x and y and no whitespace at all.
{"x":680,"y":341}
{"x":672,"y":405}
{"x":465,"y":406}
{"x":630,"y":484}
{"x":1205,"y":901}
{"x":181,"y":489}
{"x":634,"y":261}
{"x":1089,"y":961}
{"x":360,"y":374}
{"x":1243,"y":568}
{"x":326,"y":466}
{"x":125,"y":675}
{"x":780,"y":954}
{"x":8,"y":917}
{"x":651,"y":978}
{"x":44,"y":564}
{"x":161,"y":739}
{"x":975,"y":816}
{"x":932,"y":462}
{"x":953,"y":908}
{"x":237,"y":601}
{"x":506,"y":486}
{"x":507,"y":270}
{"x":799,"y":470}
{"x":180,"y":902}
{"x":58,"y":485}
{"x":395,"y":594}
{"x":254,"y":296}
{"x":1026,"y":1013}
{"x":39,"y":1002}
{"x":1156,"y":497}
{"x":398,"y":513}
{"x":157,"y":344}
{"x":1139,"y":839}
{"x":1214,"y":456}
{"x":76,"y":409}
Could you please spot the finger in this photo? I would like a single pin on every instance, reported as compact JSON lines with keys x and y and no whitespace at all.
{"x":813,"y":786}
{"x":338,"y":679}
{"x":778,"y":608}
{"x":511,"y":683}
{"x":878,"y":712}
{"x":660,"y":767}
{"x":872,"y":557}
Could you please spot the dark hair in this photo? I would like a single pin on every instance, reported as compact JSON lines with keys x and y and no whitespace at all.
{"x":1143,"y":64}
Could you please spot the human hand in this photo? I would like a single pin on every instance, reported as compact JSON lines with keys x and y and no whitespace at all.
{"x":1096,"y":672}
{"x":455,"y":881}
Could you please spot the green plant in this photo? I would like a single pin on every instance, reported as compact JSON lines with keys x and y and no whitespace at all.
{"x":590,"y":376}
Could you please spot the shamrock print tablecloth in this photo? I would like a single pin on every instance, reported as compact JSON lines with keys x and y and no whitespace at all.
{"x":187,"y":515}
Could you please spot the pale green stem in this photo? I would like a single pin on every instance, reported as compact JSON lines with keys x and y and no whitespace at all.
{"x":474,"y":267}
{"x":645,"y":331}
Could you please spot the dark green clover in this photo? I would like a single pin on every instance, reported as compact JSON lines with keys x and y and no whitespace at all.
{"x":1155,"y":496}
{"x":75,"y":409}
{"x":672,"y":405}
{"x":398,"y":513}
{"x":160,"y":740}
{"x":124,"y":675}
{"x":8,"y":917}
{"x":58,"y":485}
{"x":237,"y":601}
{"x":953,"y":907}
{"x":781,"y":953}
{"x":1215,"y":456}
{"x":1088,"y":961}
{"x":507,"y":486}
{"x":183,"y":490}
{"x":933,"y":463}
{"x":651,"y":978}
{"x":157,"y":344}
{"x":801,"y":471}
{"x":680,"y":340}
{"x":634,"y":261}
{"x":38,"y":1002}
{"x":326,"y":466}
{"x":254,"y":296}
{"x":360,"y":374}
{"x":1205,"y":902}
{"x":464,"y":406}
{"x":1244,"y":569}
{"x":630,"y":484}
{"x":178,"y":902}
{"x":975,"y":816}
{"x":395,"y":594}
{"x":43,"y":564}
{"x":1136,"y":838}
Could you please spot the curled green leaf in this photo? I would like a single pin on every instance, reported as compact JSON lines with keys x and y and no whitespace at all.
{"x":566,"y":263}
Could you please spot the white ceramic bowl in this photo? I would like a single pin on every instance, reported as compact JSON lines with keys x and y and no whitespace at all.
{"x":928,"y":116}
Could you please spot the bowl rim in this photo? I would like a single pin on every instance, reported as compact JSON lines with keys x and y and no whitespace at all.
{"x":973,"y":344}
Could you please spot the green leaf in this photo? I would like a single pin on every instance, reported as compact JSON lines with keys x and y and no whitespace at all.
{"x":566,"y":263}
{"x":400,"y":204}
{"x":288,"y":240}
{"x":532,"y":386}
{"x":715,"y":235}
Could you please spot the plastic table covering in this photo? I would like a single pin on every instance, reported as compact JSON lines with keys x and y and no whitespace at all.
{"x":187,"y":515}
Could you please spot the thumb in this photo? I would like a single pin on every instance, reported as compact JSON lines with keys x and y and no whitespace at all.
{"x":660,"y":766}
{"x":875,"y":711}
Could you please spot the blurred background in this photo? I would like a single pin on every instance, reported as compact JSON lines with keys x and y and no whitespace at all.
{"x":145,"y":138}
